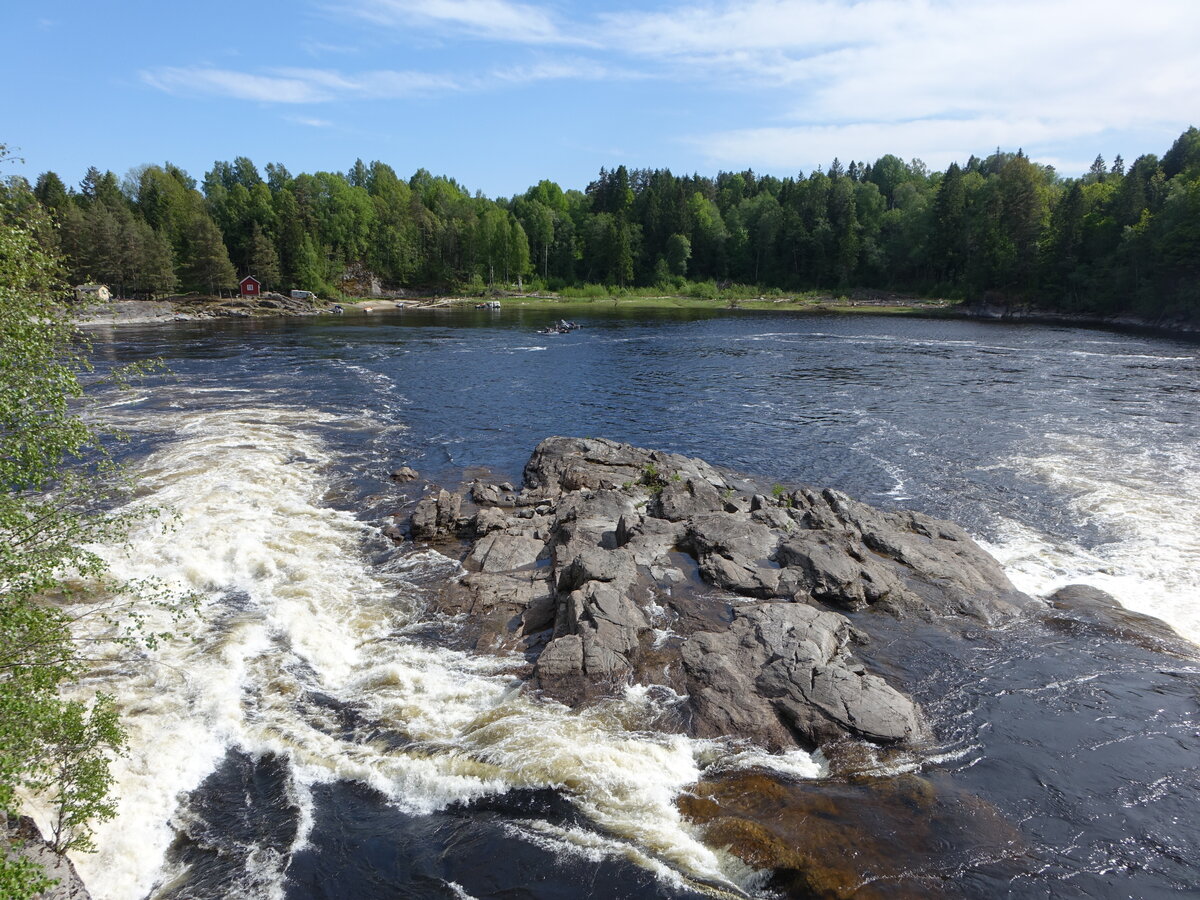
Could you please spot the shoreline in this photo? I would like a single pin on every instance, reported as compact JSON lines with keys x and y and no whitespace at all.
{"x":871,"y":303}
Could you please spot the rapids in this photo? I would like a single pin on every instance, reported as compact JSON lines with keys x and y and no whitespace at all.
{"x":307,"y":735}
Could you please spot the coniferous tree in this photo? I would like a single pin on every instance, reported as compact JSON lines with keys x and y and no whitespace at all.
{"x":52,"y":193}
{"x":206,"y":267}
{"x":949,"y":242}
{"x":263,"y":261}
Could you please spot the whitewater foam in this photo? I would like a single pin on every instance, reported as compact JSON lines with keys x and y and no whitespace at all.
{"x":290,"y":609}
{"x":1140,"y":493}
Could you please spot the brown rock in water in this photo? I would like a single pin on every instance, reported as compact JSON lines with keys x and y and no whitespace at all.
{"x":405,"y":473}
{"x":849,"y":838}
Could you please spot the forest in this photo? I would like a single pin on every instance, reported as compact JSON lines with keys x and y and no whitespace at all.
{"x":1120,"y":239}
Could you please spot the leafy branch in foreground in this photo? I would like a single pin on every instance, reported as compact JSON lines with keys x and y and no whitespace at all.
{"x":58,"y":487}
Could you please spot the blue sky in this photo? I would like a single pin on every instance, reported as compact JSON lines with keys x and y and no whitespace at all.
{"x":500,"y":94}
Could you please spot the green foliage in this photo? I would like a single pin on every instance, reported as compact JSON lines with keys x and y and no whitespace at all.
{"x":263,"y":261}
{"x":208,"y":269}
{"x":56,"y":481}
{"x":652,"y":479}
{"x":990,"y":227}
{"x":75,"y":743}
{"x":21,"y":877}
{"x":586,"y":292}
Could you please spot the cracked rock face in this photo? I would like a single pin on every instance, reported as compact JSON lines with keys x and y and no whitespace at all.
{"x":618,"y":565}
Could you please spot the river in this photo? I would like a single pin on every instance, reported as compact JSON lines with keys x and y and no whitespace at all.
{"x":307,"y":737}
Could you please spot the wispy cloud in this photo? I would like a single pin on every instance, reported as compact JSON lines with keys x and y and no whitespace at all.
{"x":297,"y":85}
{"x":936,"y":78}
{"x":809,"y":146}
{"x":320,"y":48}
{"x":308,"y":122}
{"x":231,"y":83}
{"x":576,"y":69}
{"x":491,"y":19}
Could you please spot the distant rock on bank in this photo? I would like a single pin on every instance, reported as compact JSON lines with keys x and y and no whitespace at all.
{"x":193,"y":306}
{"x":618,"y":565}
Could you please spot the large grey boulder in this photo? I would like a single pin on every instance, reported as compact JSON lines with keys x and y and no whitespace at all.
{"x":734,"y":553}
{"x":1082,"y":606}
{"x":681,"y":498}
{"x":617,"y":565}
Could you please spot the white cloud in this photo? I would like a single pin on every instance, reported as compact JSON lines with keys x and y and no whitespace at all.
{"x":308,"y":122}
{"x":297,"y":85}
{"x":938,"y":142}
{"x":230,"y":83}
{"x":920,"y":77}
{"x":320,"y":48}
{"x":561,"y":70}
{"x":492,"y":19}
{"x":810,"y":78}
{"x":311,"y":85}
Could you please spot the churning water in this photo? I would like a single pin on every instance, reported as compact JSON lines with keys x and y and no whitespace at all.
{"x":307,"y":684}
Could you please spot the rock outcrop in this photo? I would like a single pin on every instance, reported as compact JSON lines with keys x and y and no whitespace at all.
{"x":21,"y":839}
{"x":618,"y":565}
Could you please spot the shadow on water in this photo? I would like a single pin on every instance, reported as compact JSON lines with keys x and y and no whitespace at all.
{"x":237,"y":830}
{"x":362,"y":848}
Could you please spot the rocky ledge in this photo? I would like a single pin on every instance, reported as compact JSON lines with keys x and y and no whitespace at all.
{"x":22,"y":843}
{"x":617,"y":565}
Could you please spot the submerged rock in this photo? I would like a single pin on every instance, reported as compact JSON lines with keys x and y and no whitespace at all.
{"x":617,"y":565}
{"x":849,"y":838}
{"x":1081,"y":607}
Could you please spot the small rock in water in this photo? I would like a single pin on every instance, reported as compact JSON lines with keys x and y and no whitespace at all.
{"x":405,"y":473}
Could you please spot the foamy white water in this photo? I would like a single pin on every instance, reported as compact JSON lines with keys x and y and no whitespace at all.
{"x":289,"y":606}
{"x":1145,"y":496}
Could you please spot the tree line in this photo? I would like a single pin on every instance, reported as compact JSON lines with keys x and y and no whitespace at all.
{"x":1120,"y":238}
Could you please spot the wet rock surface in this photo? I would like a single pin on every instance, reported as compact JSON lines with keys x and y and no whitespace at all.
{"x":851,"y":837}
{"x":618,"y":565}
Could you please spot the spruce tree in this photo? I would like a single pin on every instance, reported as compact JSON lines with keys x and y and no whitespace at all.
{"x":207,"y":267}
{"x":263,"y":260}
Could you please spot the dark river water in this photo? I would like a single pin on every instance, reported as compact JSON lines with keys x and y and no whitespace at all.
{"x":307,"y":742}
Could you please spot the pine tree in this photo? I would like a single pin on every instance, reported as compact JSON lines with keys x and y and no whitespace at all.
{"x":207,"y":266}
{"x":949,"y":241}
{"x":263,"y":260}
{"x":154,"y":271}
